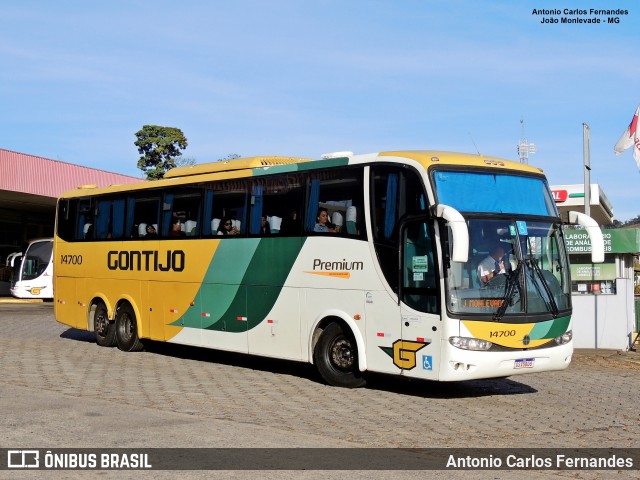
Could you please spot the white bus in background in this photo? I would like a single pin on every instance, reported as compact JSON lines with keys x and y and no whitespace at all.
{"x":32,"y":270}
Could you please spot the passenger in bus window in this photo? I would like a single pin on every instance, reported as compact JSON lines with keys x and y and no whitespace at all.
{"x":151,"y":232}
{"x":88,"y":231}
{"x":290,"y":224}
{"x":176,"y":228}
{"x":226,"y":227}
{"x":265,"y":229}
{"x":322,"y":222}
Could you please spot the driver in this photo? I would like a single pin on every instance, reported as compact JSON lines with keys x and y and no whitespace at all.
{"x":492,"y":265}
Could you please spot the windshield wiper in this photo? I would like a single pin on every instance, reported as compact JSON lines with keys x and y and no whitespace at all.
{"x":545,"y":286}
{"x":513,"y":285}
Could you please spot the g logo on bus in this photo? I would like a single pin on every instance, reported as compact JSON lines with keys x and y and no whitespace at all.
{"x":404,"y":352}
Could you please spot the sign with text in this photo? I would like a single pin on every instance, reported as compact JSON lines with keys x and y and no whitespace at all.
{"x":596,"y":271}
{"x":560,"y":195}
{"x":615,"y":241}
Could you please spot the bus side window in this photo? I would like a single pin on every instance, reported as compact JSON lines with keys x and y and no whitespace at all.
{"x":141,"y":212}
{"x":395,"y":193}
{"x":67,"y":209}
{"x":333,"y":198}
{"x":85,"y":221}
{"x":227,"y":198}
{"x":419,"y":279}
{"x":109,"y":221}
{"x":275,"y":201}
{"x":181,"y":212}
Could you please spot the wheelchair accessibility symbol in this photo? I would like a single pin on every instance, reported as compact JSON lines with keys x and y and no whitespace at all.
{"x":427,"y":362}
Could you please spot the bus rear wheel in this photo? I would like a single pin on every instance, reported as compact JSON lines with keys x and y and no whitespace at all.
{"x":104,"y":329}
{"x":127,"y":329}
{"x":336,"y":357}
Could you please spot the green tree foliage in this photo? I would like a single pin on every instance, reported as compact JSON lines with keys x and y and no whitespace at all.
{"x":159,"y":147}
{"x":185,"y":161}
{"x":633,"y":223}
{"x":231,"y":156}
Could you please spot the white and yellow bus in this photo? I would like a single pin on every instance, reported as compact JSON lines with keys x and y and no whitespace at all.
{"x":354,"y":263}
{"x":32,"y":270}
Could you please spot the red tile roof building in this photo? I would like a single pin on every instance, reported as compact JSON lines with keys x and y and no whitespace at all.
{"x":20,"y":172}
{"x":29,"y":188}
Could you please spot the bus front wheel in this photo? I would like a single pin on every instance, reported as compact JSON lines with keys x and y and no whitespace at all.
{"x":104,"y":329}
{"x":336,"y":357}
{"x":127,"y":329}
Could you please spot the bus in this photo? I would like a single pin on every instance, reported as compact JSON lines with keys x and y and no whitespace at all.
{"x":368,"y":263}
{"x":32,"y":270}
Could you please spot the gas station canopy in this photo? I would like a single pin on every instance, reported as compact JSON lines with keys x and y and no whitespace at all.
{"x":571,"y":197}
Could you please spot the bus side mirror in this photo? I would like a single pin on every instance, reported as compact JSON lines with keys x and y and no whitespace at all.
{"x":459,"y":232}
{"x":14,"y":256}
{"x":594,"y":232}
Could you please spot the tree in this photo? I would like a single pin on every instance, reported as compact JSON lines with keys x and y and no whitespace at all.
{"x":231,"y":156}
{"x":185,"y":161}
{"x":159,"y":147}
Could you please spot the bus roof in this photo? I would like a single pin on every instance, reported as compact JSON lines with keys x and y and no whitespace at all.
{"x":235,"y":164}
{"x":252,"y":166}
{"x":428,"y":158}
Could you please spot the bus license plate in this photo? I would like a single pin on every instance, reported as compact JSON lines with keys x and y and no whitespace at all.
{"x":524,"y":363}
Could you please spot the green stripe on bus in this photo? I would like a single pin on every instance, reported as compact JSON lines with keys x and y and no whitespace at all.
{"x":550,"y":328}
{"x":221,"y":282}
{"x":237,"y":295}
{"x":299,"y":167}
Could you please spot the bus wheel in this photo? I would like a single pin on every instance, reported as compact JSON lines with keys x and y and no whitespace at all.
{"x":336,"y":357}
{"x":104,"y":329}
{"x":127,"y":329}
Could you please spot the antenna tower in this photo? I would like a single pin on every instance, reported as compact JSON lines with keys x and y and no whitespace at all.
{"x":524,"y":147}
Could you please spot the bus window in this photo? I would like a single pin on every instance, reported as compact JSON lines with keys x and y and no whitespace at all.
{"x":143,"y":217}
{"x":334,"y":202}
{"x":67,"y":209}
{"x":36,"y":259}
{"x":226,"y":199}
{"x":110,"y":218}
{"x":181,"y":210}
{"x":395,"y":192}
{"x":419,"y":270}
{"x":276,"y":201}
{"x":85,"y":221}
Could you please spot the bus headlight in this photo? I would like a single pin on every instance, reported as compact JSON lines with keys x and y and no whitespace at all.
{"x":467,"y":343}
{"x":566,"y":338}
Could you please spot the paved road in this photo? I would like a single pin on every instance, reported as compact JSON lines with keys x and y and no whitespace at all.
{"x":59,"y":389}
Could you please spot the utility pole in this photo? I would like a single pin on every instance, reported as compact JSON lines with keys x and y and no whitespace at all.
{"x":587,"y":170}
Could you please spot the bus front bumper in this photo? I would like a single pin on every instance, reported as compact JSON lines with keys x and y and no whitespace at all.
{"x":470,"y":365}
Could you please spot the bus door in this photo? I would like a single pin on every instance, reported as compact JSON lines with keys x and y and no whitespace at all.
{"x":403,"y":322}
{"x":419,"y":301}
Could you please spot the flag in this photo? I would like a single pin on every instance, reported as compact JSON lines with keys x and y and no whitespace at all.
{"x":631,"y":137}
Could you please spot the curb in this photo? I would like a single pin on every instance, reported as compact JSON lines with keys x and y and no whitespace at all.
{"x":20,"y":300}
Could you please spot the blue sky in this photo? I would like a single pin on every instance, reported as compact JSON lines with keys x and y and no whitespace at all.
{"x":302,"y":78}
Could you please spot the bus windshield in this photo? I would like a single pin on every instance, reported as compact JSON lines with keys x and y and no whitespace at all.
{"x":36,"y":260}
{"x":515,"y":268}
{"x":494,"y":193}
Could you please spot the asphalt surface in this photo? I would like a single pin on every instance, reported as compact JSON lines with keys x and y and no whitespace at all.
{"x":59,"y":389}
